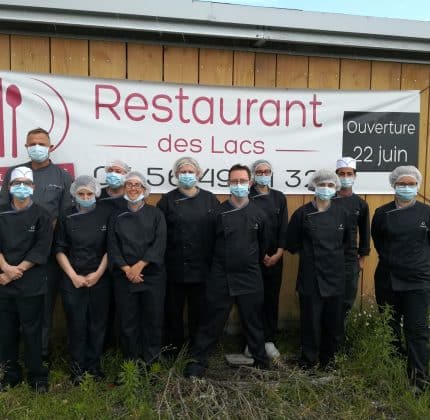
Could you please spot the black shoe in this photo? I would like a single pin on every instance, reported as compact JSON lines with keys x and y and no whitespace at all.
{"x":194,"y":370}
{"x":6,"y":385}
{"x":40,"y":387}
{"x":262,"y":365}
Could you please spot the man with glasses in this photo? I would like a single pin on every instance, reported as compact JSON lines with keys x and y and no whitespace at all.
{"x":51,"y":193}
{"x":239,"y":231}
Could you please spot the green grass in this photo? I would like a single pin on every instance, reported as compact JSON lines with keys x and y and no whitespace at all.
{"x":369,"y":382}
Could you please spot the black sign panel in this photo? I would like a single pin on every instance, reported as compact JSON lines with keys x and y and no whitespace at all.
{"x":381,"y":141}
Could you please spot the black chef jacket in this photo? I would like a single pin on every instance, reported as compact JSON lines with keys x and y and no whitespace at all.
{"x":360,"y":223}
{"x":322,"y":240}
{"x":82,"y":237}
{"x":240,"y":244}
{"x":188,"y":252}
{"x":274,"y":205}
{"x":402,"y":240}
{"x":136,"y":236}
{"x":25,"y":235}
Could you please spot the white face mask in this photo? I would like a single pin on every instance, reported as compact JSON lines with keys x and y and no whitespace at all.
{"x":136,"y":200}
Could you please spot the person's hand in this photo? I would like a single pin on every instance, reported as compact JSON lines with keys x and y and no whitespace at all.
{"x":79,"y":281}
{"x":12,"y":271}
{"x":134,"y":274}
{"x":4,"y":279}
{"x":270,"y":261}
{"x":92,"y":279}
{"x":361,"y":261}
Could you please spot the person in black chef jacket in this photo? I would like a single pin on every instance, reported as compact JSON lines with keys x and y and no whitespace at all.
{"x":240,"y":244}
{"x":400,"y":232}
{"x":320,"y":232}
{"x":51,"y":193}
{"x":113,"y":193}
{"x":136,"y":246}
{"x":274,"y":204}
{"x":25,"y":241}
{"x":188,"y":254}
{"x":81,"y":250}
{"x":359,"y":213}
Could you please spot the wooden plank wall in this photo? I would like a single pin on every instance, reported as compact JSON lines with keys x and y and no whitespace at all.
{"x":137,"y":61}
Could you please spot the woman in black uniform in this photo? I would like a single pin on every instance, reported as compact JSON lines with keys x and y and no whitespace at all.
{"x":25,"y":241}
{"x":136,"y":245}
{"x":80,"y":246}
{"x":400,"y":232}
{"x":274,"y":204}
{"x":320,"y":232}
{"x":188,"y":254}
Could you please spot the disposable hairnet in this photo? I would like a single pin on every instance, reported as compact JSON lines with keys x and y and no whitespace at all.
{"x":259,"y":162}
{"x":186,"y":161}
{"x":402,"y":171}
{"x":323,"y":175}
{"x":137,"y":176}
{"x":87,"y":182}
{"x":119,"y":163}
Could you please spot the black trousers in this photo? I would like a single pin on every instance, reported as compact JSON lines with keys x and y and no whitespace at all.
{"x":320,"y":327}
{"x":177,"y":294}
{"x":25,"y":313}
{"x":413,"y":306}
{"x":352,"y":272}
{"x":140,"y":320}
{"x":272,"y":278}
{"x":54,"y":274}
{"x":218,"y":307}
{"x":87,"y":314}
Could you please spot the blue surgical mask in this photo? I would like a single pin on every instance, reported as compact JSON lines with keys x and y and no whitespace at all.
{"x":21,"y":191}
{"x":325,"y":193}
{"x":263,"y":179}
{"x":346,"y":181}
{"x":187,"y":180}
{"x":406,"y":192}
{"x":85,"y":203}
{"x":38,"y":153}
{"x":114,"y":180}
{"x":239,"y":190}
{"x":141,"y":197}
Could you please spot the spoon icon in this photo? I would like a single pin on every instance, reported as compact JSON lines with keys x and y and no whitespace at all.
{"x":14,"y":100}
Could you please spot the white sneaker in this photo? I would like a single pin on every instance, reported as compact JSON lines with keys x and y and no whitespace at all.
{"x":246,"y":352}
{"x":271,"y":350}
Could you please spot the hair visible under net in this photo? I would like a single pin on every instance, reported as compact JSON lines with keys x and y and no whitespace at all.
{"x":186,"y":160}
{"x":116,"y":162}
{"x":323,"y":175}
{"x":402,"y":171}
{"x":85,"y":181}
{"x":138,"y":176}
{"x":259,"y":162}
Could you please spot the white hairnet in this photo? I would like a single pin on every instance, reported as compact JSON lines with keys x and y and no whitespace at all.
{"x":119,"y":163}
{"x":186,"y":161}
{"x":259,"y":162}
{"x":323,"y":175}
{"x":137,"y":176}
{"x":402,"y":171}
{"x":85,"y":181}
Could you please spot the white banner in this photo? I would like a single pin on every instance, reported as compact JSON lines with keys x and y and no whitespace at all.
{"x":150,"y":125}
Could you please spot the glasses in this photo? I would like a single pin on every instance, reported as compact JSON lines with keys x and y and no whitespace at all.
{"x":131,"y":185}
{"x":26,"y":183}
{"x":239,"y":181}
{"x":265,"y":172}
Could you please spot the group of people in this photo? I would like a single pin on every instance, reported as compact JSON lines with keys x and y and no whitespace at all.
{"x":106,"y":248}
